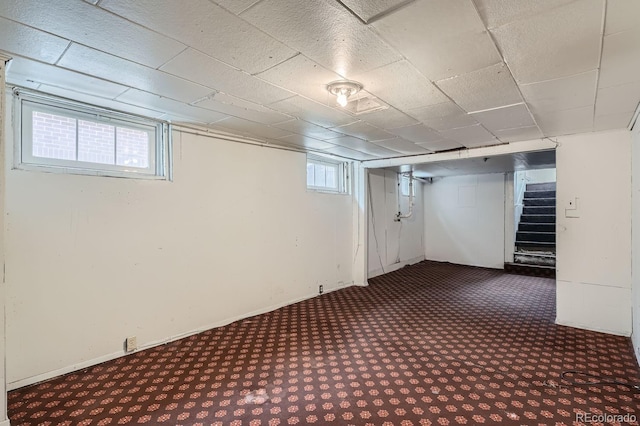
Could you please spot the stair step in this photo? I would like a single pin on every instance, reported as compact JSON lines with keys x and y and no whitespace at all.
{"x":539,"y":210}
{"x":530,"y":270}
{"x":536,"y":253}
{"x":536,"y":227}
{"x":539,"y":194}
{"x":547,"y":202}
{"x":538,"y":218}
{"x":535,"y":257}
{"x":545,"y":186}
{"x":535,"y":245}
{"x":536,"y":237}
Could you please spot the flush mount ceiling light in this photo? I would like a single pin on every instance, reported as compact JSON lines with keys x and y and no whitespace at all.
{"x":342,"y":89}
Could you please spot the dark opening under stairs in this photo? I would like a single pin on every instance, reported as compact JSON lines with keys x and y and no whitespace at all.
{"x":535,"y":246}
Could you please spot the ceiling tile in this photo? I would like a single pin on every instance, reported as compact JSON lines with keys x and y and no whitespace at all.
{"x":505,"y":118}
{"x":364,"y":146}
{"x":101,"y":102}
{"x":563,"y":93}
{"x":369,"y":11}
{"x":443,"y":116}
{"x":26,"y":69}
{"x":230,"y":105}
{"x":79,"y":21}
{"x":558,"y":43}
{"x":495,"y":13}
{"x":22,"y":40}
{"x":490,"y":87}
{"x":306,"y":142}
{"x":618,"y":99}
{"x":440,"y":37}
{"x":450,"y":122}
{"x":470,"y":136}
{"x":403,"y":146}
{"x":308,"y":129}
{"x":432,"y":19}
{"x":442,"y":145}
{"x":401,"y":85}
{"x":417,"y":133}
{"x":387,"y":119}
{"x":363,"y":130}
{"x":246,"y":127}
{"x":519,"y":134}
{"x":207,"y":27}
{"x":350,"y":153}
{"x":236,"y":6}
{"x":171,"y":107}
{"x":303,"y":76}
{"x":118,"y":70}
{"x":620,"y":59}
{"x":443,"y":109}
{"x":323,"y":31}
{"x":557,"y":123}
{"x":622,"y":15}
{"x":202,"y":69}
{"x":313,"y":112}
{"x":613,"y":121}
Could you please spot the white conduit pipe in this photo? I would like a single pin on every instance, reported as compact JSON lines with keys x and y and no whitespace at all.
{"x":400,"y":216}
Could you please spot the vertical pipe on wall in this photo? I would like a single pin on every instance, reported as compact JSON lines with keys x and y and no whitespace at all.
{"x":360,"y":225}
{"x":509,"y":217}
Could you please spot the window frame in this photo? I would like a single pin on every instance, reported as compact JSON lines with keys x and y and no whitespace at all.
{"x":342,"y":172}
{"x":27,"y":102}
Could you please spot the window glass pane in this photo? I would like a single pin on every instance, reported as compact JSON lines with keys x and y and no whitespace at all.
{"x":321,"y":175}
{"x":54,"y":136}
{"x":332,"y":173}
{"x":325,"y":176}
{"x":132,"y":147}
{"x":310,"y":174}
{"x":96,"y":142}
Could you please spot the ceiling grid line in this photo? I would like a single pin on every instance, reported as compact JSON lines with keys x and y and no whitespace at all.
{"x":444,"y":73}
{"x":603,"y":32}
{"x":506,"y":63}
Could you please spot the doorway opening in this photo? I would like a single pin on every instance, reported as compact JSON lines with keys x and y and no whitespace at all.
{"x":535,"y":222}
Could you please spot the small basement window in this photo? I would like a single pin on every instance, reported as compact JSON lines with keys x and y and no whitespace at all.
{"x":76,"y":138}
{"x":326,"y":175}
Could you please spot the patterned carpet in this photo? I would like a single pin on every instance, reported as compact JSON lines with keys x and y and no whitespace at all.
{"x":430,"y":344}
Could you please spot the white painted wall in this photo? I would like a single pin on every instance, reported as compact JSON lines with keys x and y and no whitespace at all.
{"x":539,"y":175}
{"x":635,"y":237}
{"x":3,"y":380}
{"x":392,"y":244}
{"x":93,"y":260}
{"x":594,"y":248}
{"x":464,"y":220}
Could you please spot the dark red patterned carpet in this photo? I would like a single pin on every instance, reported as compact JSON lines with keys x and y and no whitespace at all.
{"x":430,"y":344}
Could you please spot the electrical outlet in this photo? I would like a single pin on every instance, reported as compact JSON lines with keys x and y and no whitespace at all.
{"x":320,"y":289}
{"x":131,"y":344}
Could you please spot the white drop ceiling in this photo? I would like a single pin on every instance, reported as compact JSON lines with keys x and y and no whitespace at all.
{"x":450,"y":74}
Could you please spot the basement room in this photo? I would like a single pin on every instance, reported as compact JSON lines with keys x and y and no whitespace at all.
{"x":329,"y":212}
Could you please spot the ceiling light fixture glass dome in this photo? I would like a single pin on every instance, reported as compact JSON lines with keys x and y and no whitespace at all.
{"x":343,"y":89}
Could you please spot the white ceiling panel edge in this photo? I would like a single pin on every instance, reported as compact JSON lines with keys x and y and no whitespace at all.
{"x":502,"y":149}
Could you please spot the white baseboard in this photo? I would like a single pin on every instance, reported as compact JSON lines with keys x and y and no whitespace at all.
{"x":597,"y":329}
{"x":5,"y":423}
{"x":108,"y":357}
{"x":395,"y":266}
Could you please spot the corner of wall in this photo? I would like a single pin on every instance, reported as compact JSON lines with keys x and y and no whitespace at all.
{"x":635,"y":239}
